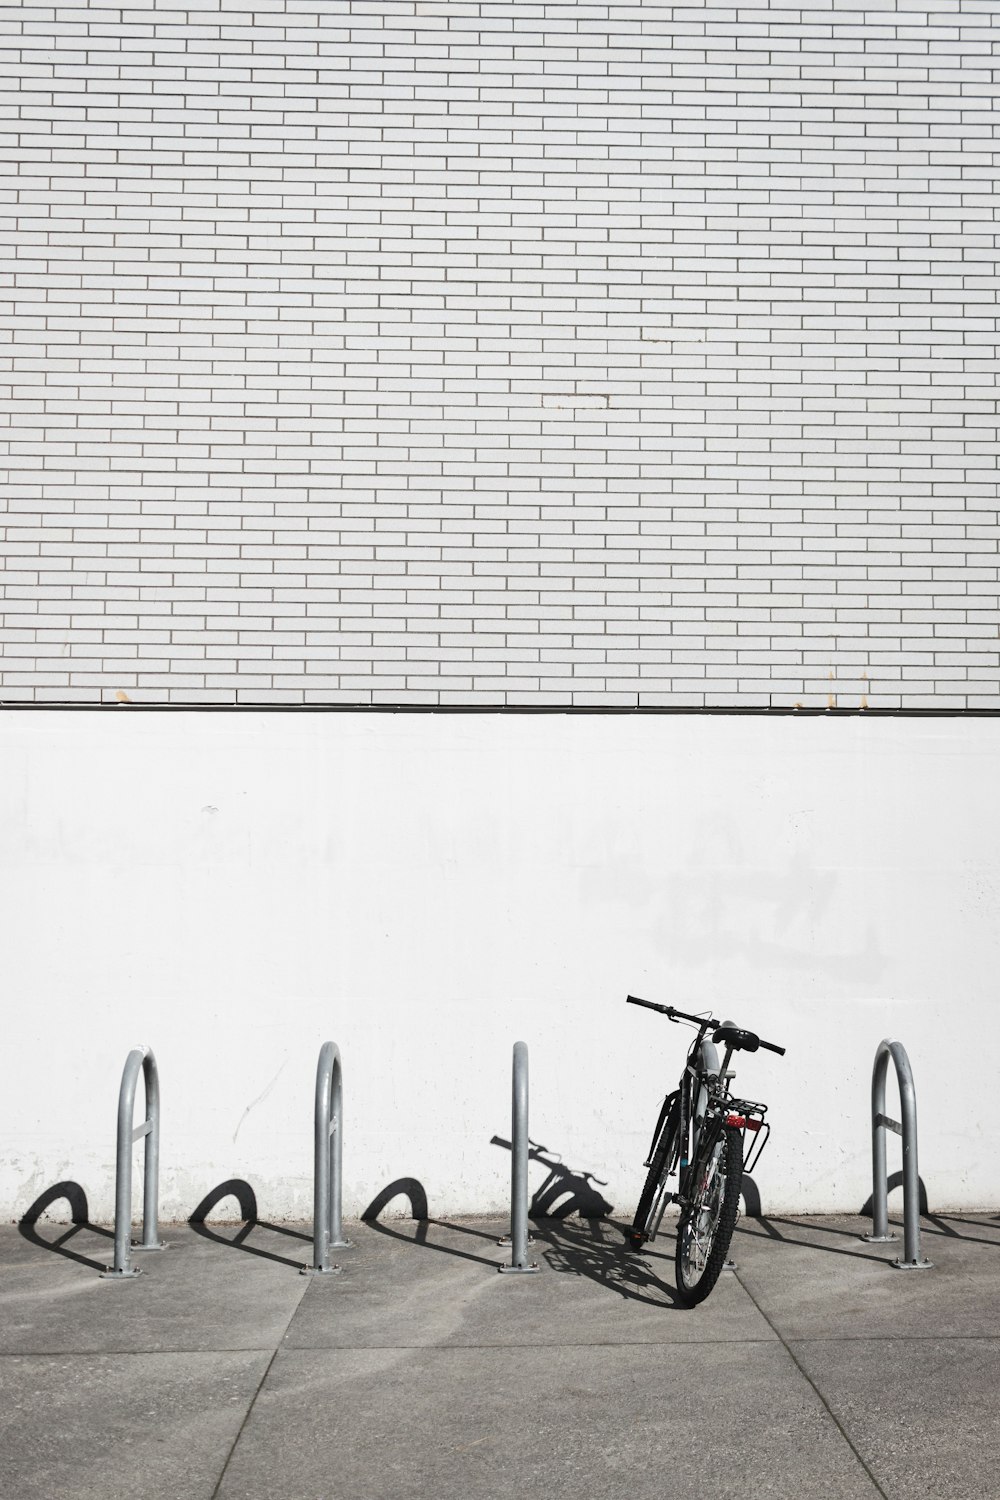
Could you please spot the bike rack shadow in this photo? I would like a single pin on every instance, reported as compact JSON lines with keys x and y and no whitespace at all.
{"x":403,"y":1187}
{"x":79,"y":1219}
{"x":769,"y":1224}
{"x":412,"y":1188}
{"x":769,"y":1230}
{"x":565,"y":1191}
{"x":568,"y":1247}
{"x":236,"y":1187}
{"x":942,"y":1223}
{"x":895,"y":1180}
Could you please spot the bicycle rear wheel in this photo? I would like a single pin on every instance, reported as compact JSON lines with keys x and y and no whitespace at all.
{"x":708,"y":1218}
{"x":653,"y":1197}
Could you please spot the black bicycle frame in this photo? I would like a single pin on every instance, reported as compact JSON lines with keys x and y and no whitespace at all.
{"x":694,"y":1079}
{"x":704,"y":1086}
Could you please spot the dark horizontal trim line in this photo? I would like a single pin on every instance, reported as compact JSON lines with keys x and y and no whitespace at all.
{"x":502,"y":708}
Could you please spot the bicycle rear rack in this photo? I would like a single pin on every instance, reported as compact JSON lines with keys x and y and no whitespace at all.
{"x":880,"y":1234}
{"x":756,"y":1125}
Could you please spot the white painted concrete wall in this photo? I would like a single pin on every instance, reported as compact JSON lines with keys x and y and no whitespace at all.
{"x":425,"y":890}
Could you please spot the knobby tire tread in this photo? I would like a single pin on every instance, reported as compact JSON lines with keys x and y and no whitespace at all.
{"x":690,"y":1294}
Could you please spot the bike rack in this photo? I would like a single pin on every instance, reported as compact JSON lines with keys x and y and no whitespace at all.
{"x":912,"y":1260}
{"x":140,"y":1058}
{"x":519,"y":1146}
{"x":328,"y":1162}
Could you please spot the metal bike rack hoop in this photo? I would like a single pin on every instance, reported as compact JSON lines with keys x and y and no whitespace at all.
{"x":519,"y":1165}
{"x":912,"y":1259}
{"x":140,"y":1059}
{"x":328,"y":1154}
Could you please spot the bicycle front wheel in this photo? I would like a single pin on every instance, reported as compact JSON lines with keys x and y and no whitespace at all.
{"x":653,"y":1198}
{"x":708,"y":1217}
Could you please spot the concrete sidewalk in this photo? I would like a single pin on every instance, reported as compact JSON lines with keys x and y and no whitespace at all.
{"x":418,"y":1373}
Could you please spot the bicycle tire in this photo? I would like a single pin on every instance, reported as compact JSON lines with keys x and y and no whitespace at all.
{"x":708,"y":1218}
{"x":649,"y":1211}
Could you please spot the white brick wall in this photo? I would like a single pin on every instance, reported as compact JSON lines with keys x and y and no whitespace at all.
{"x":448,"y":352}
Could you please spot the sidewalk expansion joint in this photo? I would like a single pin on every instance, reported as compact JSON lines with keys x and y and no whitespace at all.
{"x":121,"y":1353}
{"x":260,"y":1386}
{"x":896,"y":1338}
{"x":812,"y":1385}
{"x":347,"y":1348}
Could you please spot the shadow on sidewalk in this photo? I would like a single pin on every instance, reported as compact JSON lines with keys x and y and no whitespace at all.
{"x":571,"y":1219}
{"x":597,"y":1249}
{"x":79,"y":1219}
{"x":589,"y":1245}
{"x":772,"y":1227}
{"x":235,"y":1187}
{"x":769,"y":1230}
{"x":943,"y":1222}
{"x":769,"y":1227}
{"x":565,"y":1190}
{"x":413,"y":1189}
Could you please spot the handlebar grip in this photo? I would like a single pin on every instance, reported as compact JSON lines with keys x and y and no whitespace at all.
{"x":772,"y":1047}
{"x":649,"y":1004}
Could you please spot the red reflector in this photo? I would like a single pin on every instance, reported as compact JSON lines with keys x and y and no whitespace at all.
{"x":738,"y":1120}
{"x":754,"y":1124}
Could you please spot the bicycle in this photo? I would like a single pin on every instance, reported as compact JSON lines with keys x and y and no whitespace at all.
{"x":700,"y":1135}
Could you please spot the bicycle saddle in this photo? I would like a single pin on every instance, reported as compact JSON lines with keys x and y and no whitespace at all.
{"x":735,"y":1037}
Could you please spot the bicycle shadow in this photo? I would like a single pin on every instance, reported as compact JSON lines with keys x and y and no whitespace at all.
{"x":246,"y":1198}
{"x":589,"y":1245}
{"x":597,"y":1249}
{"x":565,"y":1191}
{"x":572,"y":1226}
{"x":76,"y":1197}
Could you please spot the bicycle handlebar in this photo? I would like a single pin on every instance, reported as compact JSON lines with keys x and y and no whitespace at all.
{"x":634,"y":1000}
{"x":673,"y":1014}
